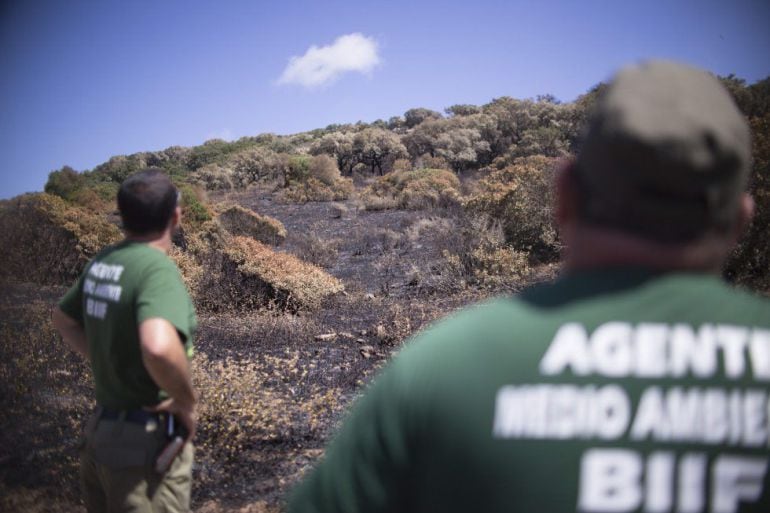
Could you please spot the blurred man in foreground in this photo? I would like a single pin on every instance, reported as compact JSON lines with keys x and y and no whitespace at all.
{"x":637,"y":381}
{"x":130,"y":315}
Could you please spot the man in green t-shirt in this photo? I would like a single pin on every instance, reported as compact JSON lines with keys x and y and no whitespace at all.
{"x":129,"y":314}
{"x":637,"y":382}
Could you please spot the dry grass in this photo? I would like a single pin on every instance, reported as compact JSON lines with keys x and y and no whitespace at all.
{"x":44,"y":391}
{"x":254,"y":401}
{"x":220,"y":271}
{"x":241,"y":221}
{"x":263,"y":412}
{"x":51,"y":240}
{"x":310,"y":248}
{"x":281,"y":277}
{"x":191,"y":270}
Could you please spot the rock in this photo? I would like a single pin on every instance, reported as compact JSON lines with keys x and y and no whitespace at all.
{"x":338,"y":210}
{"x":325,"y":337}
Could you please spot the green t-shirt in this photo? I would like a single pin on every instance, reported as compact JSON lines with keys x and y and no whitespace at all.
{"x":606,"y":391}
{"x":122,"y":286}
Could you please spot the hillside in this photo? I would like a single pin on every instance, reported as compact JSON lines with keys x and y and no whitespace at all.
{"x":311,"y":259}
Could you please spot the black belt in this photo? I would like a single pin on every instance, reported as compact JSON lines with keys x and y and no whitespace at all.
{"x":135,"y":416}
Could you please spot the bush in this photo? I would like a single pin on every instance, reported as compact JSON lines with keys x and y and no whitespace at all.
{"x":213,"y":177}
{"x":248,"y":402}
{"x":520,"y":198}
{"x":317,"y":251}
{"x":414,"y":190}
{"x":429,"y":162}
{"x":195,"y":211}
{"x":338,"y":210}
{"x":402,"y":165}
{"x":217,"y":151}
{"x":255,"y":164}
{"x":488,"y":267}
{"x":257,"y":276}
{"x":83,"y":189}
{"x":120,"y":167}
{"x":297,"y":169}
{"x":192,"y":272}
{"x":64,"y":183}
{"x":241,"y":221}
{"x":48,"y":241}
{"x":312,"y":189}
{"x":324,"y":169}
{"x":91,"y":200}
{"x":473,"y":251}
{"x":199,"y":259}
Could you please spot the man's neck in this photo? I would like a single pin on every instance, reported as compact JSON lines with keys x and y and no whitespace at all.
{"x":590,"y":247}
{"x":160,"y":241}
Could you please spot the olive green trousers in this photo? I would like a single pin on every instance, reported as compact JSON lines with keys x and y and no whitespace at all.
{"x":117,"y":473}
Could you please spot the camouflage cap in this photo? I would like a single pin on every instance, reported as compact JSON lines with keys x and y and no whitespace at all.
{"x":666,"y":154}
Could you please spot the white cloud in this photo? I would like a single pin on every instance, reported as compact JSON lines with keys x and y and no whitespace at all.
{"x":322,"y":66}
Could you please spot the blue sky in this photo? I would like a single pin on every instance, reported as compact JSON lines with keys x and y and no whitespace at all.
{"x":83,"y":80}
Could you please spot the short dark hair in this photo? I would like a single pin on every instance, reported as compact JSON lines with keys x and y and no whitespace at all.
{"x":146,"y":201}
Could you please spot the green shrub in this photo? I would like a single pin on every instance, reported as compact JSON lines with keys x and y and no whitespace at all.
{"x":64,"y":182}
{"x":195,"y":212}
{"x":120,"y":167}
{"x":297,"y":169}
{"x":217,"y":151}
{"x":414,"y":190}
{"x":520,"y":198}
{"x":83,"y":189}
{"x":313,"y":189}
{"x":255,"y":164}
{"x":213,"y":177}
{"x":313,"y":179}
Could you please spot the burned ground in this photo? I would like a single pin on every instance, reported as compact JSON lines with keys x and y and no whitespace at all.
{"x":274,"y":384}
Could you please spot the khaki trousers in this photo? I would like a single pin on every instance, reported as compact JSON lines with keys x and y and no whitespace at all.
{"x":117,"y":472}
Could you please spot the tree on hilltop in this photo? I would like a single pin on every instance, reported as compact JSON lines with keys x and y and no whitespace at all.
{"x":414,"y":117}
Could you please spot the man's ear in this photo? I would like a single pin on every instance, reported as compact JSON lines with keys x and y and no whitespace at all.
{"x":567,"y":194}
{"x":745,"y":214}
{"x":176,"y":217}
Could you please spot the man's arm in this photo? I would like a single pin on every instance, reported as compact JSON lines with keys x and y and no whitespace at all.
{"x":164,"y":358}
{"x":71,"y":331}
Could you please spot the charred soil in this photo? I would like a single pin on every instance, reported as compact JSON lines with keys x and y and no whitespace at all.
{"x":274,"y":383}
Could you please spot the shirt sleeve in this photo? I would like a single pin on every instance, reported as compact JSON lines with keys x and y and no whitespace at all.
{"x":368,"y":467}
{"x":162,"y":294}
{"x":72,"y":302}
